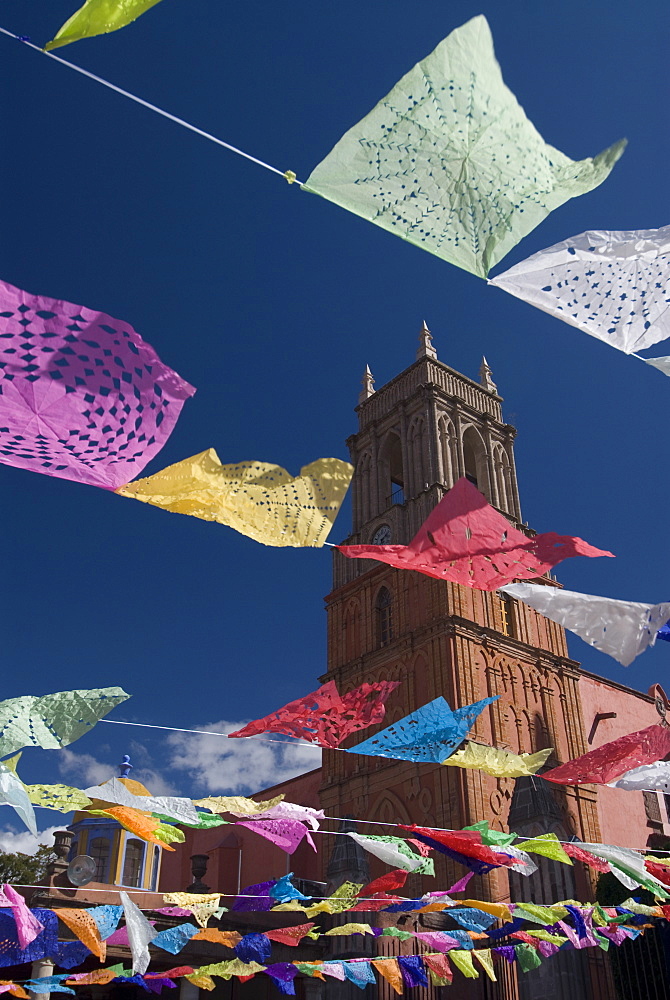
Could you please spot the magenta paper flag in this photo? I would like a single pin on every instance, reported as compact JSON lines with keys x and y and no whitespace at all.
{"x":285,"y":824}
{"x":325,"y":717}
{"x":468,"y":542}
{"x":82,"y":396}
{"x":28,"y":926}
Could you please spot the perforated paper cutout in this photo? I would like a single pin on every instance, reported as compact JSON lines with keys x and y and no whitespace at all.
{"x":622,"y":629}
{"x":140,"y":933}
{"x":389,"y":851}
{"x":99,"y":17}
{"x":63,"y":798}
{"x":629,"y":868}
{"x":115,"y":791}
{"x":649,"y":777}
{"x":466,"y":541}
{"x":259,"y":500}
{"x":54,"y":720}
{"x":611,"y":760}
{"x":237,"y":804}
{"x":325,"y":717}
{"x":146,"y":827}
{"x":28,"y":927}
{"x":611,"y":285}
{"x":201,"y":905}
{"x":86,"y":929}
{"x":285,"y":824}
{"x":499,"y":763}
{"x":429,"y":734}
{"x":82,"y":396}
{"x":449,"y":161}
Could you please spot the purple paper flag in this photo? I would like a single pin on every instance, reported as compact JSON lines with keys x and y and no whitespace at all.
{"x":82,"y":397}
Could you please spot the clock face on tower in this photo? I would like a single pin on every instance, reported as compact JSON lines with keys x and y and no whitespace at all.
{"x":382,"y":535}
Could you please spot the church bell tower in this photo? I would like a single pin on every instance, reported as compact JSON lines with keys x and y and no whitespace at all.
{"x":416,"y":437}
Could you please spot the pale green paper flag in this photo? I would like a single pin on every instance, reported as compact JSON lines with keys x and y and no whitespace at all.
{"x":449,"y":161}
{"x":98,"y":17}
{"x":55,"y":720}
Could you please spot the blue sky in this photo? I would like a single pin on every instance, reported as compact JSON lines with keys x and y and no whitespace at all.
{"x":271,"y":301}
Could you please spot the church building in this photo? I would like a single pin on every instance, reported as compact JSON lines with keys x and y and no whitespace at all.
{"x":416,"y":436}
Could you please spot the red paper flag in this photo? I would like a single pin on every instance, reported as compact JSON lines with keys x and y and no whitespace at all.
{"x":467,"y":843}
{"x":325,"y":717}
{"x":386,"y":883}
{"x":610,"y":761}
{"x":579,"y":854}
{"x":468,"y":542}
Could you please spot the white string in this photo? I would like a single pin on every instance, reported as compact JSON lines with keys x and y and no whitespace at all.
{"x":316,"y":746}
{"x":209,"y":732}
{"x":146,"y":104}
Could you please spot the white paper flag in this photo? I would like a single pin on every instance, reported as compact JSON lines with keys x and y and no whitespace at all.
{"x":622,"y":629}
{"x":627,"y":865}
{"x":611,"y":285}
{"x":140,"y":933}
{"x":648,"y":778}
{"x":387,"y":853}
{"x":114,"y":791}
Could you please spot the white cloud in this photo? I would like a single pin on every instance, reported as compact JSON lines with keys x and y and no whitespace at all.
{"x":199,"y":764}
{"x":85,"y":770}
{"x":218,"y":765}
{"x":24,"y":842}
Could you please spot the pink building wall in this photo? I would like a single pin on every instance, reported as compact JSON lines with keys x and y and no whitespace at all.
{"x":623,"y":815}
{"x":238,"y":857}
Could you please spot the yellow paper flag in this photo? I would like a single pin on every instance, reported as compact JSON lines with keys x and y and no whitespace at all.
{"x":259,"y":500}
{"x":99,"y":17}
{"x":499,"y":763}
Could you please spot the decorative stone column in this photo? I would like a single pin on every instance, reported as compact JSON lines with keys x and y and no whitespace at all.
{"x":41,"y":968}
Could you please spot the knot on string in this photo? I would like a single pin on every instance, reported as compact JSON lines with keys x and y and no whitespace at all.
{"x":290,"y":176}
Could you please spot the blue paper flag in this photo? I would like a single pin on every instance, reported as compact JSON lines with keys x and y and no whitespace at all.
{"x":253,"y":948}
{"x":175,"y":938}
{"x":471,"y":919}
{"x":107,"y":919}
{"x":49,"y":984}
{"x":664,"y":632}
{"x":283,"y":891}
{"x":413,"y":970}
{"x":359,"y":973}
{"x":45,"y":944}
{"x":430,"y":734}
{"x":70,"y":954}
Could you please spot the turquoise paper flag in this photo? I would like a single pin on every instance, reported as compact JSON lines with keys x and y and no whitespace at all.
{"x":449,"y":161}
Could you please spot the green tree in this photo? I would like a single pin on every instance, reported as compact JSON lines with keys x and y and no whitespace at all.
{"x":25,"y":869}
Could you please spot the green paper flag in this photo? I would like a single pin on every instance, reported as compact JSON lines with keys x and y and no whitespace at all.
{"x":99,"y":17}
{"x":55,"y":720}
{"x":527,"y":957}
{"x":449,"y":161}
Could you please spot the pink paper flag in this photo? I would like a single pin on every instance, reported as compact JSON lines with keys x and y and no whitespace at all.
{"x":82,"y":397}
{"x":468,"y":542}
{"x":27,"y":925}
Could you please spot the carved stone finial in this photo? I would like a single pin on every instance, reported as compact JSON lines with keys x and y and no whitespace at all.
{"x":426,"y":349}
{"x":368,"y":384}
{"x":125,"y":766}
{"x":485,"y":379}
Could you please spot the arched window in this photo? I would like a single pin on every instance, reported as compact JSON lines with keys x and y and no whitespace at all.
{"x":98,"y":849}
{"x":155,"y":867}
{"x":392,"y":477}
{"x":133,"y":863}
{"x":384,"y":616}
